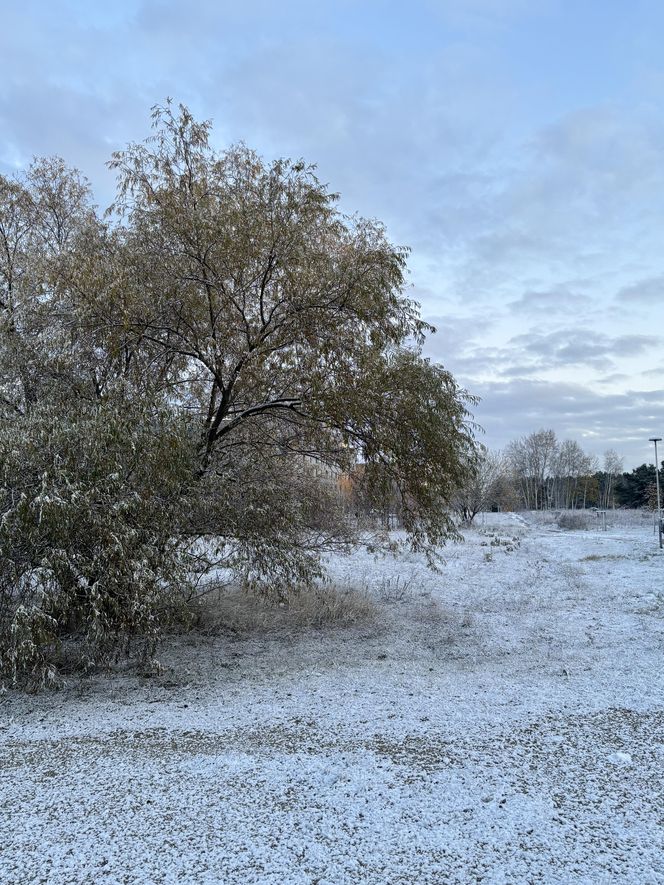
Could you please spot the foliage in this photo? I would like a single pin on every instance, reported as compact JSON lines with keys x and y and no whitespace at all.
{"x":284,"y":327}
{"x":207,"y":359}
{"x":638,"y":487}
{"x":88,"y":540}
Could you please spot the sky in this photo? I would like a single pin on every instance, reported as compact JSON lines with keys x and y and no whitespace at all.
{"x":516,"y":146}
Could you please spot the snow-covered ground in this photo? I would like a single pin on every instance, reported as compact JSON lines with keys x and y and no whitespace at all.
{"x":501,"y":722}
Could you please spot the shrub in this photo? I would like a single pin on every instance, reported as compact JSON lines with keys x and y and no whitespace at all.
{"x":572,"y":521}
{"x":88,"y":546}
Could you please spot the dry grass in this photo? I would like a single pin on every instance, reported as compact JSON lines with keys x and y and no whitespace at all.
{"x":619,"y":518}
{"x":603,"y":557}
{"x":233,"y":610}
{"x":332,"y":605}
{"x":572,"y":521}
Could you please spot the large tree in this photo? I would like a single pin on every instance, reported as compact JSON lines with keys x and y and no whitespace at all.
{"x":226,"y":311}
{"x":283,"y":323}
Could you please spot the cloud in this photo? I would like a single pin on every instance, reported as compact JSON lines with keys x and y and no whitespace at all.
{"x":459,"y":344}
{"x":647,"y":291}
{"x":457,"y":332}
{"x":554,"y":301}
{"x":579,"y":347}
{"x":582,"y":195}
{"x":510,"y":409}
{"x":654,"y":372}
{"x":614,"y":378}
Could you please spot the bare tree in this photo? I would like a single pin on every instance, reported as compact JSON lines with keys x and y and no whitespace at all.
{"x":532,"y":460}
{"x":613,"y":467}
{"x":570,"y":466}
{"x":477,"y":493}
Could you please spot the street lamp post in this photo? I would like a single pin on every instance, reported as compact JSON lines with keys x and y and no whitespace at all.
{"x":656,"y":439}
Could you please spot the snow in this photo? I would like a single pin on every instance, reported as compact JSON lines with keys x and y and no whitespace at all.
{"x":502,"y":722}
{"x":619,"y":758}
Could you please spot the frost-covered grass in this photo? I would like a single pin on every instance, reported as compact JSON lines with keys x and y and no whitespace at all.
{"x":502,"y":721}
{"x":230,"y":609}
{"x":617,"y":518}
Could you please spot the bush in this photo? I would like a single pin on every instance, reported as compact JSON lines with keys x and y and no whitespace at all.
{"x":88,"y":545}
{"x":572,"y":521}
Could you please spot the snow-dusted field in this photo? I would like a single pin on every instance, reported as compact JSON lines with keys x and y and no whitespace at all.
{"x":501,"y":722}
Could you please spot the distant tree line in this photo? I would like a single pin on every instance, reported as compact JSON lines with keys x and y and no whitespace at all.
{"x":539,"y":472}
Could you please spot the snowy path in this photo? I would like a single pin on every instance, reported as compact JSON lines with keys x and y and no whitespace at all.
{"x":502,"y":722}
